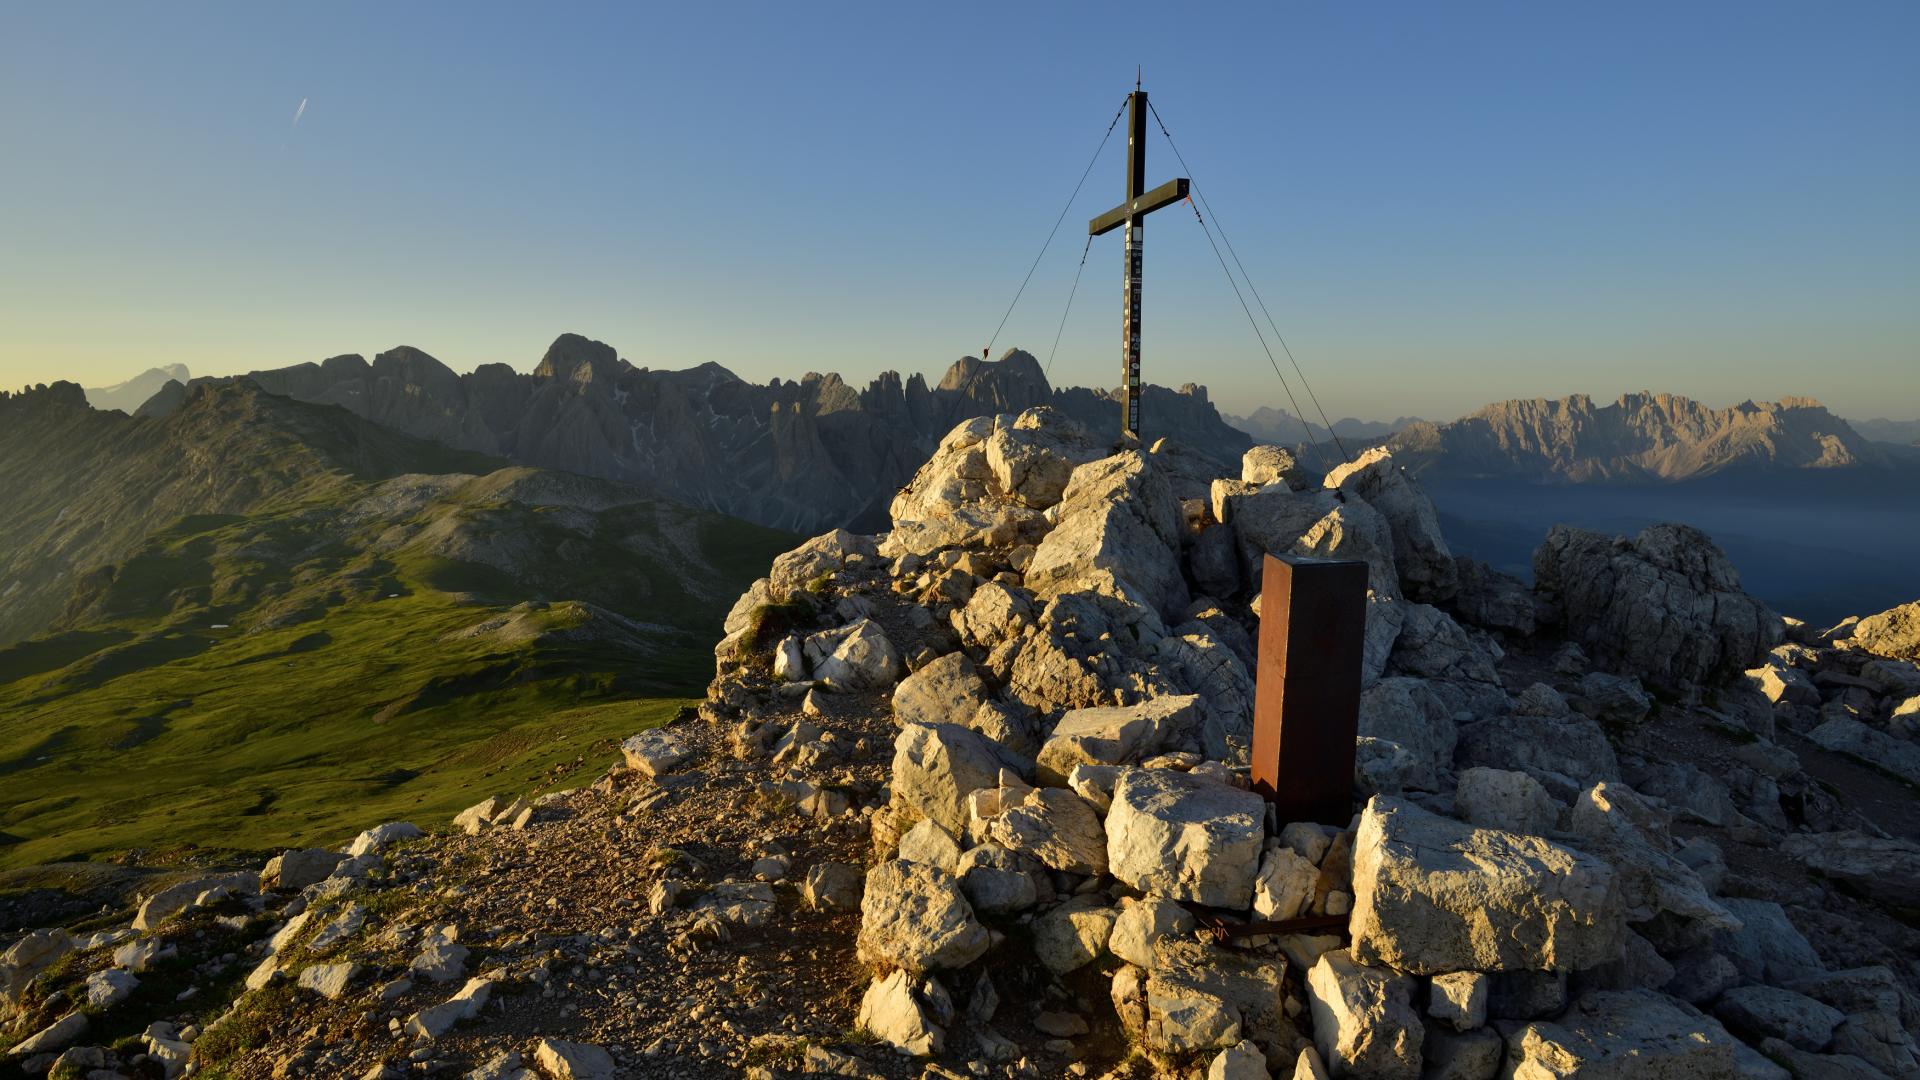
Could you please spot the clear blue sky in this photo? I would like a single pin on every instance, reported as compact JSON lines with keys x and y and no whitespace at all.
{"x":1444,"y":204}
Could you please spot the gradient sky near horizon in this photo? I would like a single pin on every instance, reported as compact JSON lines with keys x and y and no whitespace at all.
{"x":1442,"y":204}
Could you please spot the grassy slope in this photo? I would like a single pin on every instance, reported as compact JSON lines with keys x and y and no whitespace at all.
{"x":334,"y":698}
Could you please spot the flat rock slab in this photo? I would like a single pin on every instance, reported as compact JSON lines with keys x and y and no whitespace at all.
{"x":656,"y":751}
{"x":1623,"y":1035}
{"x":1433,"y":895}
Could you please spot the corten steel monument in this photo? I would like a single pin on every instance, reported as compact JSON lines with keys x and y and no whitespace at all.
{"x":1133,"y":214}
{"x":1306,"y":711}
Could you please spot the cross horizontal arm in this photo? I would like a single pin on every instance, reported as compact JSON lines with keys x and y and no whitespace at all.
{"x":1165,"y":195}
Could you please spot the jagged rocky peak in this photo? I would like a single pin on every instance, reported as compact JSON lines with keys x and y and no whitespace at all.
{"x":1641,"y":436}
{"x":1009,"y":384}
{"x":56,"y":395}
{"x":578,"y":358}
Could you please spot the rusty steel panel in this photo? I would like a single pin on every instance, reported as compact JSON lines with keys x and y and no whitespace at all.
{"x":1306,"y":713}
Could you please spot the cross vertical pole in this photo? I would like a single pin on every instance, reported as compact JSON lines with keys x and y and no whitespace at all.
{"x":1132,"y":214}
{"x":1136,"y":244}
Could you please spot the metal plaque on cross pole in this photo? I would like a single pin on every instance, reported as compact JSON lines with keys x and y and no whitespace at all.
{"x":1306,"y":708}
{"x":1132,"y":213}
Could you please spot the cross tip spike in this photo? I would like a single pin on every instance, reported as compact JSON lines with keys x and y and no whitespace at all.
{"x":1136,"y":76}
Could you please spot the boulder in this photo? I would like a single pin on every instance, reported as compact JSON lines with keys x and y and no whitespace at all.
{"x":1666,"y":606}
{"x":1886,"y":870}
{"x":1032,"y":461}
{"x":1612,"y":700}
{"x":1614,"y":822}
{"x":1509,"y":801}
{"x":1142,"y":923}
{"x":1433,"y":895}
{"x":950,"y":503}
{"x":1623,"y":1035}
{"x":994,"y":614}
{"x":853,"y":658}
{"x":996,"y":881}
{"x":1056,"y":827}
{"x":1766,"y":946}
{"x":1459,"y":999}
{"x":330,"y":981}
{"x":1264,"y":465}
{"x":1285,"y":885}
{"x":1404,"y":711}
{"x":1855,"y":739}
{"x":896,"y":1009}
{"x":294,"y":870}
{"x":822,"y":556}
{"x":1242,"y":1061}
{"x":657,"y":751}
{"x":946,"y":691}
{"x":1759,"y":1012}
{"x":1199,"y":999}
{"x":1783,"y":685}
{"x":915,"y":917}
{"x":1118,"y":535}
{"x":1420,"y":552}
{"x":564,"y":1060}
{"x":466,"y":1003}
{"x":1541,"y":734}
{"x":1364,"y":1023}
{"x":176,"y":898}
{"x":1174,"y":836}
{"x":936,"y":766}
{"x":108,"y":987}
{"x":1492,"y":600}
{"x":1074,"y":934}
{"x":1199,"y":660}
{"x":1112,"y":735}
{"x":833,"y":886}
{"x":929,"y":842}
{"x":1893,"y":633}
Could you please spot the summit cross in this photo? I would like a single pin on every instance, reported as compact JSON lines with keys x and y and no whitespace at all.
{"x":1133,"y":214}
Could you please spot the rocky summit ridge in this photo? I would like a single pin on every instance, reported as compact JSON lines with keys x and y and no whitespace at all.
{"x":969,"y":798}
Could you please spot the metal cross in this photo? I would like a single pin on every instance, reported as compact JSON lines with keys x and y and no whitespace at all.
{"x":1133,"y":213}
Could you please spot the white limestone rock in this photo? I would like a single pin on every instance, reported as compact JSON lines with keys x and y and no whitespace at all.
{"x":1113,"y":734}
{"x":1855,"y":739}
{"x":1199,"y":999}
{"x":1623,"y":1035}
{"x":1614,"y":822}
{"x":1420,"y":551}
{"x":1363,"y":1021}
{"x":1509,"y":801}
{"x":947,"y":690}
{"x":1142,"y":923}
{"x":936,"y":766}
{"x":1174,"y":836}
{"x":1406,"y":712}
{"x":1057,"y":827}
{"x":1458,"y":999}
{"x":1074,"y":934}
{"x":996,"y":881}
{"x":657,"y":751}
{"x":896,"y":1010}
{"x":853,"y":658}
{"x":930,"y":843}
{"x":330,"y":981}
{"x":1666,"y":606}
{"x":1285,"y":885}
{"x":915,"y":917}
{"x":563,"y":1060}
{"x":1242,"y":1061}
{"x":1118,"y":535}
{"x":1759,"y":1012}
{"x":1433,"y":895}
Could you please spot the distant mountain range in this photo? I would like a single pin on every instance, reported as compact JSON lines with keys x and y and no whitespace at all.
{"x":1898,"y":432}
{"x":130,"y":395}
{"x":1278,"y":426}
{"x":804,"y":456}
{"x":1639,"y":438}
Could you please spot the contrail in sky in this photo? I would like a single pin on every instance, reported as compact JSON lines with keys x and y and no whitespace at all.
{"x":299,"y":112}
